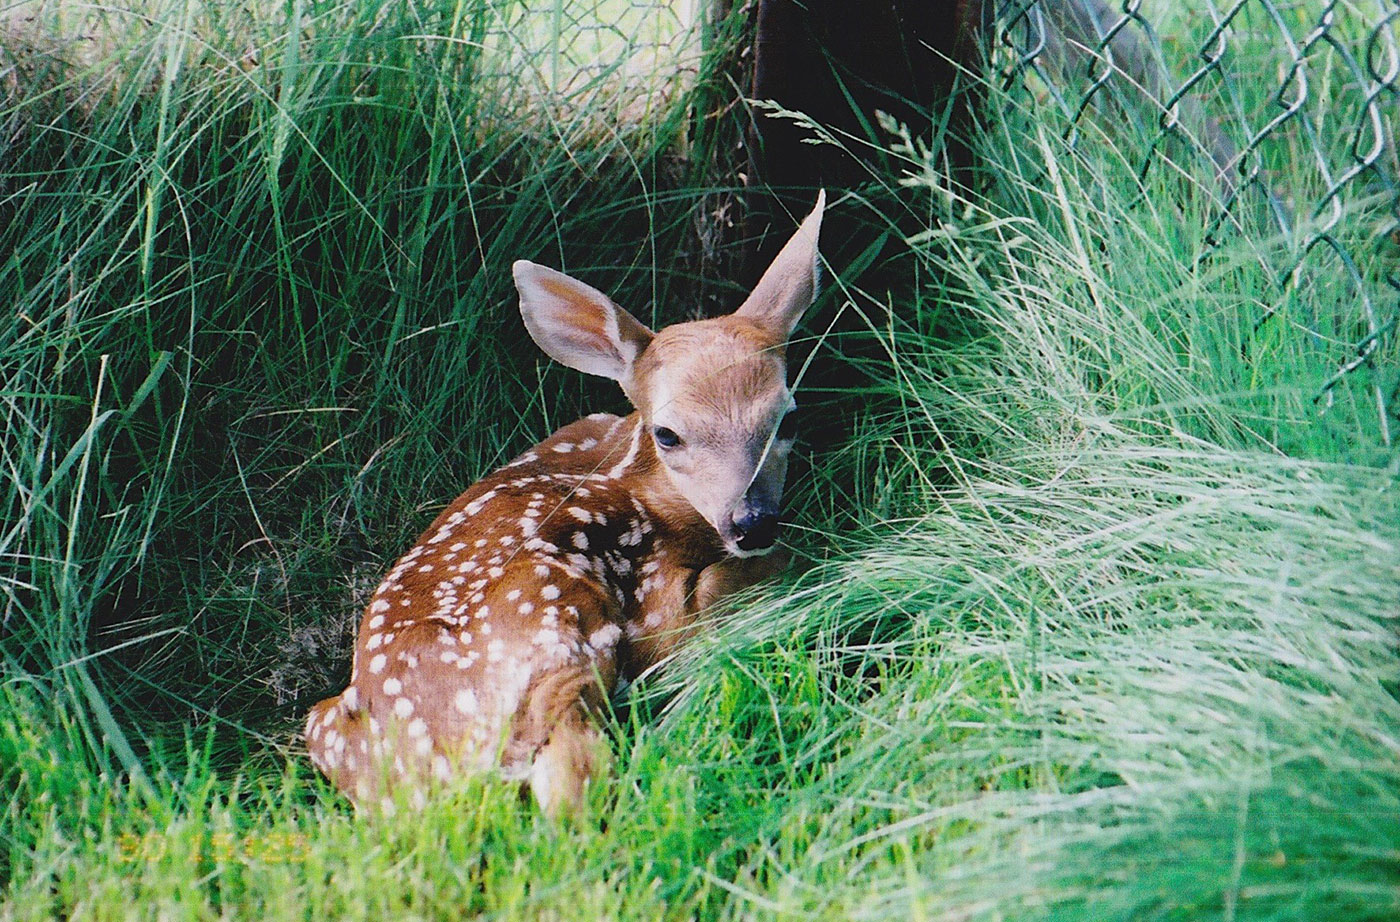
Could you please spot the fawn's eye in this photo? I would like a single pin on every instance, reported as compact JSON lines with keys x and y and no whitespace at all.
{"x":787,"y":428}
{"x":666,"y":438}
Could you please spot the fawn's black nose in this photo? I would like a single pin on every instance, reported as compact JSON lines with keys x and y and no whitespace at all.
{"x":755,"y":526}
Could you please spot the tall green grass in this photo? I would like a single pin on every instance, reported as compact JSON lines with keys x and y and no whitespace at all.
{"x":1099,"y":618}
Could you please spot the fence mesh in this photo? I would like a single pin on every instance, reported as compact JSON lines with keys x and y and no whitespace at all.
{"x":571,"y":51}
{"x":1290,"y":110}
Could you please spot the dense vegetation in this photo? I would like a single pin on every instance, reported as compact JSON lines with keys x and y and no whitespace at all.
{"x":1100,"y":611}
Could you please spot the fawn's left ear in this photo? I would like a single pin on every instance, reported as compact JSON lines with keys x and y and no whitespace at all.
{"x":789,"y":286}
{"x":577,"y":324}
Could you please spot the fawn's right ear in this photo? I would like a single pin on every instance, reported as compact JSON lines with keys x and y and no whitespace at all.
{"x":578,"y":325}
{"x":789,"y":286}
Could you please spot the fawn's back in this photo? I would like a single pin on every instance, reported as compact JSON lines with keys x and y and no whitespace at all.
{"x":491,"y":643}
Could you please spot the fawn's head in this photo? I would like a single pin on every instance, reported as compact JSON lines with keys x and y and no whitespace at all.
{"x":713,"y":394}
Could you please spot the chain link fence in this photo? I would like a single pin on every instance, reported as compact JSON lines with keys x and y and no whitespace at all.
{"x":1290,"y":110}
{"x":641,"y":52}
{"x":568,"y":52}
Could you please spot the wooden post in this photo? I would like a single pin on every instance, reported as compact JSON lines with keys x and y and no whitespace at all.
{"x":839,"y":61}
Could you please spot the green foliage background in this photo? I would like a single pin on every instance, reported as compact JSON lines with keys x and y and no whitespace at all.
{"x":1100,"y":616}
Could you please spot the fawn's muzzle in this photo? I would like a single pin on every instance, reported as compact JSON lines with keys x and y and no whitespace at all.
{"x":755,"y":526}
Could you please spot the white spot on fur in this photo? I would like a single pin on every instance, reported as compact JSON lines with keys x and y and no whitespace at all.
{"x":605,"y":636}
{"x":376,"y":665}
{"x":473,"y":507}
{"x":621,"y":466}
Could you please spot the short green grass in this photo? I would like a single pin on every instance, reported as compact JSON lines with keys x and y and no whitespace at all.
{"x":1099,"y":611}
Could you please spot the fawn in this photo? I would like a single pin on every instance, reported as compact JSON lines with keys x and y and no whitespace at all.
{"x":491,"y":642}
